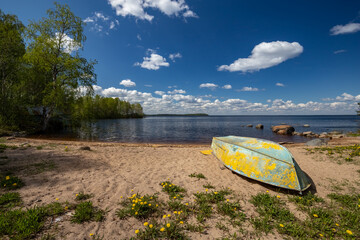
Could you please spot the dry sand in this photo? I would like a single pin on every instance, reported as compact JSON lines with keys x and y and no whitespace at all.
{"x":112,"y":170}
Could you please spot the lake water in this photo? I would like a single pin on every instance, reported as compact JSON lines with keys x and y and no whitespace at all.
{"x":188,"y":129}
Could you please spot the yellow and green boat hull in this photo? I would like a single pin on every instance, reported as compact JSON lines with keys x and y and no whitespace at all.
{"x":261,"y":160}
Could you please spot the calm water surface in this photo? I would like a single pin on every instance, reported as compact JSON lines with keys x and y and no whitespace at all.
{"x":202,"y":129}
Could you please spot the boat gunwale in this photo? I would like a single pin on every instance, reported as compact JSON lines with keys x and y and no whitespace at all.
{"x":260,"y":152}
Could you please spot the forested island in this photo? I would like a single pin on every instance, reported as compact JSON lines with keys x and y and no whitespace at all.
{"x":43,"y":76}
{"x":177,"y":115}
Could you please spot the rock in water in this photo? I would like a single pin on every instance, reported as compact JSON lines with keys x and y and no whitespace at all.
{"x":316,"y":142}
{"x":283,"y":129}
{"x":306,"y":125}
{"x":259,"y":126}
{"x":250,"y":125}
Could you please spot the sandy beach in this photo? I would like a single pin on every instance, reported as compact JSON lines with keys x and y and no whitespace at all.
{"x":54,"y":169}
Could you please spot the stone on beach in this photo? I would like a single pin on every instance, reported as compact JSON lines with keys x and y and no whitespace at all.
{"x":283,"y":129}
{"x":259,"y":126}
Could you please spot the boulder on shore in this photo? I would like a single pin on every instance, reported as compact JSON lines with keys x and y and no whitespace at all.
{"x":250,"y":125}
{"x":306,"y":125}
{"x":283,"y":129}
{"x":259,"y":126}
{"x":316,"y":142}
{"x":309,"y":133}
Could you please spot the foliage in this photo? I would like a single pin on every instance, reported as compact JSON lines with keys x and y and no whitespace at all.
{"x":82,"y":196}
{"x":197,"y":175}
{"x":11,"y":67}
{"x":88,"y":108}
{"x":58,"y":71}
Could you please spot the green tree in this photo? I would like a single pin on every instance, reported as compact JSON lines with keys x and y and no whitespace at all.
{"x":53,"y":54}
{"x":12,"y":49}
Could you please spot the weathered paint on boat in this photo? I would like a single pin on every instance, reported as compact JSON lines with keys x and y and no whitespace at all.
{"x":260,"y":159}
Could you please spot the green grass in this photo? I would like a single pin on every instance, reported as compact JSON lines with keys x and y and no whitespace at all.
{"x":307,"y":200}
{"x":197,"y":175}
{"x":3,"y":147}
{"x":166,"y":230}
{"x":209,"y":186}
{"x":25,"y":224}
{"x":140,"y":207}
{"x":9,"y":200}
{"x":85,"y":212}
{"x":42,"y":166}
{"x":343,"y":154}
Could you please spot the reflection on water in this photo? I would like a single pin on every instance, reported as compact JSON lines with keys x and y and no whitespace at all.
{"x":202,"y":129}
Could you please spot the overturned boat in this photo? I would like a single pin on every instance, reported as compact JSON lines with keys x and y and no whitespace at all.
{"x":261,"y":160}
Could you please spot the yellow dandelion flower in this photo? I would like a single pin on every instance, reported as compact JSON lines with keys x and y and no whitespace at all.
{"x":132,"y":208}
{"x":145,"y":202}
{"x":174,"y":197}
{"x":215,"y":193}
{"x":267,"y":191}
{"x":333,"y":229}
{"x":91,"y":234}
{"x":169,"y":215}
{"x":66,"y":208}
{"x":14,"y":184}
{"x":57,"y":199}
{"x":349,"y":232}
{"x":162,"y":229}
{"x":321,"y":235}
{"x":164,"y":216}
{"x":315,"y":215}
{"x":146,"y":223}
{"x":150,"y":226}
{"x":168,"y":225}
{"x":337,"y":224}
{"x":227,"y":200}
{"x":181,"y":222}
{"x":136,"y":213}
{"x":299,"y":197}
{"x":149,"y":204}
{"x":206,"y":190}
{"x":76,"y":195}
{"x":157,"y":205}
{"x":175,"y":212}
{"x":7,"y":177}
{"x":133,"y":205}
{"x":121,"y":196}
{"x":137,"y":231}
{"x":278,"y":196}
{"x":281,"y":225}
{"x":132,"y":190}
{"x":186,"y":204}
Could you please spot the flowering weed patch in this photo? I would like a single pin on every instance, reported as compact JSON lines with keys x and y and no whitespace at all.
{"x":139,"y":207}
{"x":85,"y":212}
{"x":173,"y":190}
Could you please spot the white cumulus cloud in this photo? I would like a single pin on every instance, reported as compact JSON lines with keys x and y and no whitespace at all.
{"x":265,"y":55}
{"x":154,"y":62}
{"x":348,"y":97}
{"x":227,"y":86}
{"x":280,"y":84}
{"x":208,"y":85}
{"x":345,"y":29}
{"x":249,"y":89}
{"x":128,"y":83}
{"x":177,"y":91}
{"x":136,"y":8}
{"x":173,"y":56}
{"x":179,"y":103}
{"x":98,"y":22}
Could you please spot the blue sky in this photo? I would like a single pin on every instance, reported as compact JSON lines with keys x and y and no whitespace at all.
{"x":221,"y":57}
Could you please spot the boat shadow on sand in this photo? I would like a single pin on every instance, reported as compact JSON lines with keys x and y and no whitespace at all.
{"x":311,"y":189}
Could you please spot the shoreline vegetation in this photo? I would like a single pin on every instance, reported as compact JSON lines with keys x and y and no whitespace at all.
{"x":45,"y":82}
{"x":177,"y":115}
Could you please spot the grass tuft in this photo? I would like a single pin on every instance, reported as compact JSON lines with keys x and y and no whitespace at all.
{"x":197,"y":175}
{"x":85,"y":212}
